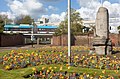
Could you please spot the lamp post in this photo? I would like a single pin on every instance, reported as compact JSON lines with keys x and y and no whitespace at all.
{"x":69,"y":33}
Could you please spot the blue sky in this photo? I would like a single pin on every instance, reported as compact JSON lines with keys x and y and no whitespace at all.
{"x":55,"y":10}
{"x":61,"y":5}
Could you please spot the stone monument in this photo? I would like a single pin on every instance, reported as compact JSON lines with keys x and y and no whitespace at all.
{"x":101,"y":42}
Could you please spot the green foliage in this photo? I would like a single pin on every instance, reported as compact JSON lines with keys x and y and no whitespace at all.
{"x":76,"y":24}
{"x":1,"y":25}
{"x":4,"y":19}
{"x":118,"y":27}
{"x":23,"y":19}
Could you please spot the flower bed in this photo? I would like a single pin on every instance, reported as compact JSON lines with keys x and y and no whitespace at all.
{"x":15,"y":60}
{"x":50,"y":73}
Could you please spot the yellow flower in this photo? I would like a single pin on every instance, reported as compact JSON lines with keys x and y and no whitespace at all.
{"x":88,"y":75}
{"x":48,"y":70}
{"x":60,"y":54}
{"x":81,"y":77}
{"x":93,"y":61}
{"x":43,"y":68}
{"x":91,"y":77}
{"x":76,"y":57}
{"x":28,"y":54}
{"x":103,"y":71}
{"x":34,"y":69}
{"x":52,"y":70}
{"x":61,"y":68}
{"x":21,"y":56}
{"x":50,"y":67}
{"x":55,"y":67}
{"x":68,"y":67}
{"x":116,"y":71}
{"x":101,"y":76}
{"x":40,"y":56}
{"x":7,"y":67}
{"x":114,"y":56}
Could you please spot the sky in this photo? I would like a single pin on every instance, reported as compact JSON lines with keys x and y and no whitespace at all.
{"x":55,"y":10}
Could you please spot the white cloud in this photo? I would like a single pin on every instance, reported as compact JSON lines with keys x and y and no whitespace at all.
{"x":9,"y":14}
{"x":55,"y":18}
{"x":89,"y":9}
{"x":52,"y":8}
{"x":28,"y":7}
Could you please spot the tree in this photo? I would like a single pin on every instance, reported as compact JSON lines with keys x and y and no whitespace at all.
{"x":23,"y":19}
{"x":118,"y":28}
{"x":76,"y":24}
{"x":4,"y":20}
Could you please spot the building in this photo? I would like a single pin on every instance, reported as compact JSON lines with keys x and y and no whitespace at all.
{"x":41,"y":33}
{"x":44,"y":21}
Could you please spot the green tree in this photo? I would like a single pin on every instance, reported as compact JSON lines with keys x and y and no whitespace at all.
{"x":4,"y":20}
{"x":76,"y":24}
{"x":118,"y":28}
{"x":23,"y":19}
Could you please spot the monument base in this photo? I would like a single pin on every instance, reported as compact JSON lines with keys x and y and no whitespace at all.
{"x":103,"y":50}
{"x":102,"y":46}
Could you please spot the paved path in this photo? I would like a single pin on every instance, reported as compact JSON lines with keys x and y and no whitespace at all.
{"x":23,"y":47}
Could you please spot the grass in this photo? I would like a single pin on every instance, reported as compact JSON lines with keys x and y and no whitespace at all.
{"x":19,"y":73}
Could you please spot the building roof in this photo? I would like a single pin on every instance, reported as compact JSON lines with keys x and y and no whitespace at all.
{"x":47,"y":27}
{"x":29,"y":26}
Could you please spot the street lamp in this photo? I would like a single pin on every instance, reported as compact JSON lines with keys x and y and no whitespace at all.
{"x":69,"y":33}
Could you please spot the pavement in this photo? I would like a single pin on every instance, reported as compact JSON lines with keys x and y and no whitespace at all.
{"x":22,"y":47}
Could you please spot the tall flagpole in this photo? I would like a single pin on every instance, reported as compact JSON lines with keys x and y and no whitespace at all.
{"x":101,"y":2}
{"x":69,"y":33}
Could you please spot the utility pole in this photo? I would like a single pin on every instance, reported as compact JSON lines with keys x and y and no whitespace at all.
{"x":69,"y":33}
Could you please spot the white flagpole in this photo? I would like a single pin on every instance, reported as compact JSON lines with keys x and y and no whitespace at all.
{"x":69,"y":33}
{"x":101,"y":2}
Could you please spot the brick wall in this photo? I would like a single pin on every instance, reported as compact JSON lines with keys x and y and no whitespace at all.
{"x":115,"y":39}
{"x":11,"y":40}
{"x":84,"y":40}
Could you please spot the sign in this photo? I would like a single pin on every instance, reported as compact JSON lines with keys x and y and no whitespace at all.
{"x":32,"y":38}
